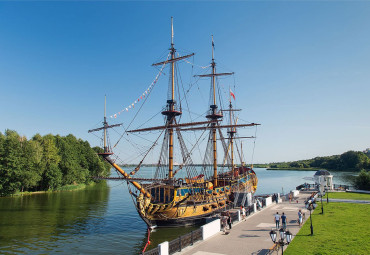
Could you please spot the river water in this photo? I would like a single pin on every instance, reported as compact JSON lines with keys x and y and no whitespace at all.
{"x":100,"y":219}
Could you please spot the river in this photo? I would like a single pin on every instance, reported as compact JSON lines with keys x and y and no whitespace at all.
{"x":100,"y":219}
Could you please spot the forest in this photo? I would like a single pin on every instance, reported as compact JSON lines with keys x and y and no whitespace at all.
{"x":348,"y":161}
{"x":46,"y":162}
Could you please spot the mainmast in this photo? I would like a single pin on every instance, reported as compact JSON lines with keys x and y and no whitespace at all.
{"x":213,"y":114}
{"x":231,"y":132}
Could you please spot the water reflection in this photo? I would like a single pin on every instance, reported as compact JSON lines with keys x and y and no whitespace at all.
{"x":45,"y":222}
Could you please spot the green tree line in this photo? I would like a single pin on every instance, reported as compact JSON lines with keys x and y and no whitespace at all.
{"x":46,"y":162}
{"x":348,"y":161}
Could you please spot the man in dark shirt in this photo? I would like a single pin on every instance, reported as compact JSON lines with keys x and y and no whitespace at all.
{"x":283,"y":221}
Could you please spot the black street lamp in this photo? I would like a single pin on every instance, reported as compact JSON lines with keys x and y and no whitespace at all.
{"x":327,"y":196}
{"x":283,"y":235}
{"x":322,"y":207}
{"x":311,"y":205}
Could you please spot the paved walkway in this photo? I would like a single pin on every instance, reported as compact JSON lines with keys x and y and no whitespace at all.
{"x":251,"y":236}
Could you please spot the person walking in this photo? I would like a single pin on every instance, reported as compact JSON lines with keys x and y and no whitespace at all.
{"x":224,"y":223}
{"x":283,"y":221}
{"x":243,"y":213}
{"x":277,"y":220}
{"x":300,"y":218}
{"x":229,"y":221}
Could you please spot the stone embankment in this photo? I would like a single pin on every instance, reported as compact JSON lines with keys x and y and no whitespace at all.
{"x":252,"y":235}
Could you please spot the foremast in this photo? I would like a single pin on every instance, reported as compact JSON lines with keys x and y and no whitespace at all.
{"x":108,"y":151}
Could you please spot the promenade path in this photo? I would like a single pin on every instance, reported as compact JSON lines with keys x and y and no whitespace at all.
{"x":252,"y":235}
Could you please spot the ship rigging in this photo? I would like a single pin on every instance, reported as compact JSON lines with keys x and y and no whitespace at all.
{"x":183,"y":193}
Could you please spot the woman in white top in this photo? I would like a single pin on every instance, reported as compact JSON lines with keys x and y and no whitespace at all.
{"x":243,"y":213}
{"x":300,"y":218}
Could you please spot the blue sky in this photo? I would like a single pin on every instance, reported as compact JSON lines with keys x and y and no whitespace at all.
{"x":301,"y":68}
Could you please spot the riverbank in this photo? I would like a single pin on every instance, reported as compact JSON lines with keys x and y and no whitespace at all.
{"x":63,"y":188}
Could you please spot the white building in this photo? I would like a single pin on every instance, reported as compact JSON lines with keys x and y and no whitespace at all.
{"x":323,"y":177}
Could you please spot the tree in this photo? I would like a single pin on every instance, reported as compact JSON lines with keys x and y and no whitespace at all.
{"x":52,"y":176}
{"x":362,"y":181}
{"x":46,"y":163}
{"x":354,"y":160}
{"x":11,"y":163}
{"x":71,"y":156}
{"x":30,"y":174}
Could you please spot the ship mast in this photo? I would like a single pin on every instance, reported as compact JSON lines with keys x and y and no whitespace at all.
{"x":213,"y":114}
{"x":171,"y":104}
{"x":107,"y":150}
{"x":105,"y":123}
{"x":231,"y":132}
{"x":171,"y":112}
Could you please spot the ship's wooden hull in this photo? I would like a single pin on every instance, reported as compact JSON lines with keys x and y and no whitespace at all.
{"x":192,"y":205}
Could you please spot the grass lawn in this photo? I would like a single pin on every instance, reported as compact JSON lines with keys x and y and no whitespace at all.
{"x":343,"y":229}
{"x":346,"y":195}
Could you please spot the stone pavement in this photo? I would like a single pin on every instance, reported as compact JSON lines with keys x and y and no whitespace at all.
{"x":251,"y":236}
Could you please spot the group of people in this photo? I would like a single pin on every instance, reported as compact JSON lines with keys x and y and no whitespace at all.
{"x":226,"y":221}
{"x":283,"y":219}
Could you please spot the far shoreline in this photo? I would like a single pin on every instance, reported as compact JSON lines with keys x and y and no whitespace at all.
{"x":296,"y":169}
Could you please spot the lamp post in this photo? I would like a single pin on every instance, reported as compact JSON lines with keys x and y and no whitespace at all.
{"x":322,"y":190}
{"x":311,"y":205}
{"x":283,"y":235}
{"x":327,"y":196}
{"x":322,"y":207}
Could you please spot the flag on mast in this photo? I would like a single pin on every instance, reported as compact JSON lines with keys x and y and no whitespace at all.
{"x":232,"y":94}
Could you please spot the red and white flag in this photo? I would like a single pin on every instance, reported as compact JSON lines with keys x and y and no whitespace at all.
{"x":232,"y":94}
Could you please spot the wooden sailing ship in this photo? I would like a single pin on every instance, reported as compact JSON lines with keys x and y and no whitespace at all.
{"x":168,"y":200}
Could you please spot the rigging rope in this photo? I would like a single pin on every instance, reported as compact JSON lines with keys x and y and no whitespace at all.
{"x":137,"y":168}
{"x":254,"y":145}
{"x":148,"y":242}
{"x":203,"y":67}
{"x":142,"y":104}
